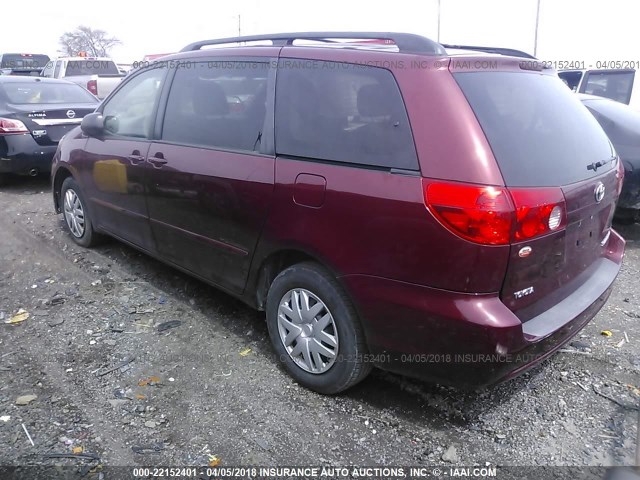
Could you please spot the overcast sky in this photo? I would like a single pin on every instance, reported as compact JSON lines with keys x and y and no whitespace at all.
{"x":586,"y":30}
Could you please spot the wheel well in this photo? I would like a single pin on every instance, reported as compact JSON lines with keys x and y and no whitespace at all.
{"x":272,"y":266}
{"x":61,"y":175}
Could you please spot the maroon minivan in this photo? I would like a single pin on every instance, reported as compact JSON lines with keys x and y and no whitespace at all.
{"x":442,"y":214}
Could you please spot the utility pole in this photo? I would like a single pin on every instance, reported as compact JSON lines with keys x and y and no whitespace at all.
{"x":535,"y":41}
{"x":439,"y":20}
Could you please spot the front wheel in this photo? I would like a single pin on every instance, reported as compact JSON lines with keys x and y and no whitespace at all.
{"x":315,"y":331}
{"x":76,"y":216}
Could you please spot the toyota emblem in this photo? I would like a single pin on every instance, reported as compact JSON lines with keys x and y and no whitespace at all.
{"x":599,"y":192}
{"x":71,"y":114}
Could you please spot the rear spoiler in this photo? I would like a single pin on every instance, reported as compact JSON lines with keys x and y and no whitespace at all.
{"x":499,"y":50}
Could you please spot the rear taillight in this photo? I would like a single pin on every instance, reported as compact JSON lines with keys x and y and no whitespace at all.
{"x":538,"y":211}
{"x":92,"y":86}
{"x":496,"y":215}
{"x":9,"y":126}
{"x":619,"y":176}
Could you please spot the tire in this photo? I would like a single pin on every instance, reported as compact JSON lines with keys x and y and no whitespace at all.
{"x":73,"y":205}
{"x":328,"y":323}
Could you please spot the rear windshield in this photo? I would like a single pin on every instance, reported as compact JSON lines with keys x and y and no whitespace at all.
{"x":19,"y":93}
{"x":540,"y":133}
{"x":23,"y":61}
{"x":76,"y":68}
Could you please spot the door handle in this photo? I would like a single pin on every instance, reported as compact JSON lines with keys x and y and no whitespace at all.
{"x":135,"y":158}
{"x":157,"y":160}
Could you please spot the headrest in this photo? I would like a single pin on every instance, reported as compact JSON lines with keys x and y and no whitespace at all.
{"x":209,"y":98}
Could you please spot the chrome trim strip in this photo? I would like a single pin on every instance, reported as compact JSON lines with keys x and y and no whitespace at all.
{"x":58,"y":121}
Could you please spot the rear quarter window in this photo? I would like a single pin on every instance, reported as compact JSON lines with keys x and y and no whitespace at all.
{"x":343,"y":113}
{"x":540,"y":133}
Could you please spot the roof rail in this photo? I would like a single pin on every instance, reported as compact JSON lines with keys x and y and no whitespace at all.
{"x":405,"y":42}
{"x":499,"y":50}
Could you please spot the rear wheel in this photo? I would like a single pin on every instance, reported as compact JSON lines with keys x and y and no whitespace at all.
{"x":76,"y":216}
{"x":315,"y":330}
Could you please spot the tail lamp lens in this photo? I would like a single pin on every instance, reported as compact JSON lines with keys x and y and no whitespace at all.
{"x":92,"y":86}
{"x":9,"y":126}
{"x":496,"y":215}
{"x":479,"y":214}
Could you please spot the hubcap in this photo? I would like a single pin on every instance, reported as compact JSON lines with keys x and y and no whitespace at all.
{"x":307,"y":331}
{"x":74,"y":213}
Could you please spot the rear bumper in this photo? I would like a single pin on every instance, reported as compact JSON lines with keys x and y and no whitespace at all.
{"x":22,"y":154}
{"x":468,"y":340}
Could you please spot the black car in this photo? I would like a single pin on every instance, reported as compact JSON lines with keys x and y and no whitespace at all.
{"x":35,"y":113}
{"x":622,"y":124}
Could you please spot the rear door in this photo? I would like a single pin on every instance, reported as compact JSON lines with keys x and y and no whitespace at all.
{"x":547,"y":144}
{"x":210,"y":176}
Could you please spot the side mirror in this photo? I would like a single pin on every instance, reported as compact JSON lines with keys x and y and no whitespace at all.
{"x":93,"y":124}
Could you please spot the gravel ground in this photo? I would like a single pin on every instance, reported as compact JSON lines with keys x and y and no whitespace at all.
{"x":111,"y":381}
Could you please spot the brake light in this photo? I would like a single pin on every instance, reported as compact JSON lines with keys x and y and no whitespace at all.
{"x":92,"y":86}
{"x":496,"y":215}
{"x":619,"y":177}
{"x":479,"y":214}
{"x":9,"y":126}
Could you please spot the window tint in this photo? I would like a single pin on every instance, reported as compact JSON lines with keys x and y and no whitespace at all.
{"x":540,"y":133}
{"x":342,"y":112}
{"x":90,"y":67}
{"x":42,"y":92}
{"x":56,"y":72}
{"x":217,"y":104}
{"x":130,"y":112}
{"x":23,"y":61}
{"x":614,"y":85}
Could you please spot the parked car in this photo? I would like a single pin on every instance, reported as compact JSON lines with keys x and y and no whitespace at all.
{"x":622,"y":125}
{"x":22,"y":63}
{"x":619,"y":85}
{"x":451,"y":223}
{"x":35,"y":113}
{"x":97,"y":74}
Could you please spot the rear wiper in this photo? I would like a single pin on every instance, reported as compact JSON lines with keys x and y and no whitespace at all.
{"x":596,"y":165}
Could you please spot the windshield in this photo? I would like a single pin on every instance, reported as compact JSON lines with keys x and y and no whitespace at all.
{"x":21,"y":93}
{"x":91,"y":67}
{"x":540,"y":133}
{"x":23,"y":61}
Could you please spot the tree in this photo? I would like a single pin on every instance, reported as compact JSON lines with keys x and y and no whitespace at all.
{"x":85,"y":39}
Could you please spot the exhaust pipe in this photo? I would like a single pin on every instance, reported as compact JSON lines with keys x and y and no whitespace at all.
{"x":33,"y":172}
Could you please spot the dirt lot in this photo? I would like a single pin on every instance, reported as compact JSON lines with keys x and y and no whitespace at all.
{"x":182,"y":395}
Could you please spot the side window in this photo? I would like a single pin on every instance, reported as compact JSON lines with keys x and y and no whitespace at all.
{"x":614,"y":85}
{"x":56,"y":73}
{"x":130,"y":112}
{"x":218,"y":104}
{"x":342,"y":112}
{"x":571,"y":79}
{"x":47,"y":71}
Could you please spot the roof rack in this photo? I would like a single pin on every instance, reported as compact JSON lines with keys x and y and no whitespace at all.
{"x":499,"y":50}
{"x":405,"y":42}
